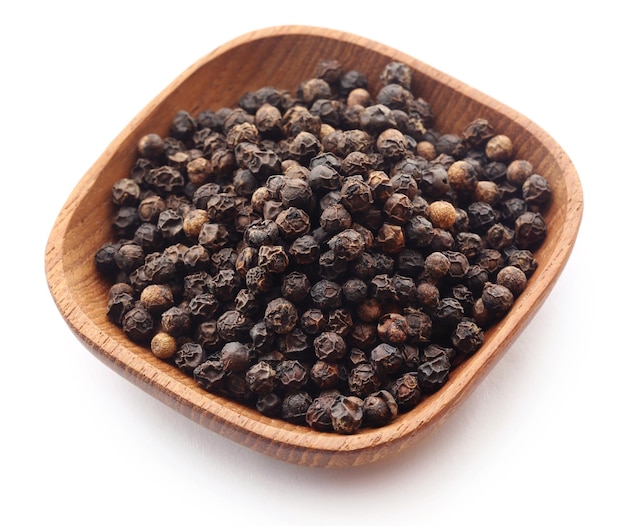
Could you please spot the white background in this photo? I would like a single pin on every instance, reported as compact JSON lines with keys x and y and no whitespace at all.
{"x":540,"y":441}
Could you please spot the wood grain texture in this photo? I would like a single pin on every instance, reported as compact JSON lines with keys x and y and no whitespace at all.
{"x":282,"y":57}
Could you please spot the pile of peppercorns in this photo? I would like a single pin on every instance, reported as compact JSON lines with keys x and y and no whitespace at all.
{"x":327,"y":257}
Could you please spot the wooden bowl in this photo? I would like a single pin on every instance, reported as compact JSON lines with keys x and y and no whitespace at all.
{"x":282,"y":57}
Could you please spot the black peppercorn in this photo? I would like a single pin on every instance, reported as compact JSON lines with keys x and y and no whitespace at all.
{"x":406,"y":391}
{"x":176,"y":321}
{"x":295,"y":287}
{"x":326,"y":294}
{"x":346,"y":414}
{"x":427,"y":295}
{"x":138,"y":324}
{"x":467,"y":337}
{"x":355,"y":194}
{"x":117,"y":307}
{"x":348,"y":244}
{"x":210,"y":374}
{"x":318,"y":413}
{"x":393,"y":328}
{"x":233,"y":325}
{"x":189,"y":356}
{"x":419,"y":326}
{"x":129,"y":256}
{"x":340,"y":321}
{"x":379,"y":408}
{"x":269,"y":405}
{"x":387,"y":358}
{"x":477,"y":132}
{"x":530,"y":230}
{"x":433,"y":373}
{"x":364,"y":379}
{"x":291,"y":375}
{"x":313,"y":321}
{"x":524,"y":260}
{"x":281,"y":315}
{"x":260,"y":378}
{"x":354,"y":290}
{"x":329,"y":346}
{"x":497,"y":299}
{"x":235,"y":357}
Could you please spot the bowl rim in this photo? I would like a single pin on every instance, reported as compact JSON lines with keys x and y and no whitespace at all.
{"x":276,"y":438}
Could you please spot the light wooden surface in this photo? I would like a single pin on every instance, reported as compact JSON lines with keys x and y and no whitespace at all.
{"x":283,"y":56}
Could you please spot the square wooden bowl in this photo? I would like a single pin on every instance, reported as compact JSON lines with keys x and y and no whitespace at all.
{"x":283,"y":57}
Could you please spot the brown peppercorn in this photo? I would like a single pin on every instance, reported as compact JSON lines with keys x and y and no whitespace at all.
{"x":359,"y":97}
{"x":393,"y":328}
{"x":426,"y":150}
{"x":487,"y":191}
{"x":462,"y":177}
{"x":163,"y":345}
{"x":499,"y":148}
{"x":513,"y":278}
{"x":390,"y":238}
{"x":442,"y":214}
{"x":518,"y":171}
{"x":369,"y":310}
{"x":157,"y":298}
{"x":193,"y":221}
{"x":427,"y":295}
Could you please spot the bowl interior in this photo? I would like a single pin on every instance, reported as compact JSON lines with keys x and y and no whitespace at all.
{"x":283,"y":57}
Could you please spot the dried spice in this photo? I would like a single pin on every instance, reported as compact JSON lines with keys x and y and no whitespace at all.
{"x":326,"y":256}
